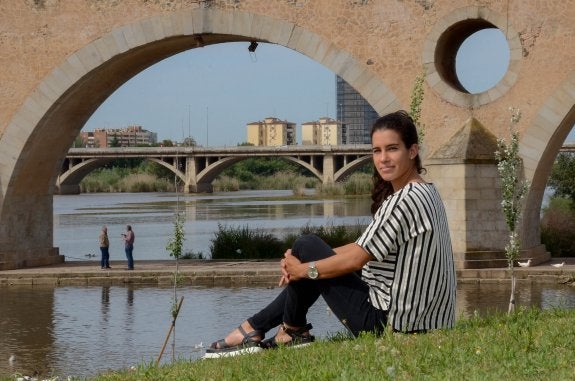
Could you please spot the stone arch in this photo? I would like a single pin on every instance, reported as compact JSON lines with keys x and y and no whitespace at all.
{"x":539,"y":147}
{"x":181,"y":175}
{"x":68,"y":182}
{"x":67,"y":97}
{"x":445,"y":39}
{"x":307,"y":166}
{"x":343,"y":173}
{"x":208,"y":174}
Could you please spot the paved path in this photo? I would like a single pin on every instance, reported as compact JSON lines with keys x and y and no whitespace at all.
{"x":233,"y":274}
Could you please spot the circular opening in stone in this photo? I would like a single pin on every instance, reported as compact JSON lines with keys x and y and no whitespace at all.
{"x":472,"y":56}
{"x":482,"y":60}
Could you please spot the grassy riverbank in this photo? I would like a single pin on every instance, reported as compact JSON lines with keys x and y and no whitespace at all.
{"x":528,"y":345}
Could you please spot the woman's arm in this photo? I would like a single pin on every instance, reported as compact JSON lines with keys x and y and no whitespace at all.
{"x":349,"y":258}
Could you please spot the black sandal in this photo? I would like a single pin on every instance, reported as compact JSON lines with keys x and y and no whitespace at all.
{"x":249,"y":344}
{"x":300,"y":337}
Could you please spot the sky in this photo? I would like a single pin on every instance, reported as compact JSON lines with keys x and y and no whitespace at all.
{"x":211,"y":93}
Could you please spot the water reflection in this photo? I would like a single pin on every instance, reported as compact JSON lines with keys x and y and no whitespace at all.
{"x":485,"y":298}
{"x":82,"y":331}
{"x":26,"y":318}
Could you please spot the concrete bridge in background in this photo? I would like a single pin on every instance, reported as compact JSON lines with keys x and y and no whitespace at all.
{"x":197,"y":167}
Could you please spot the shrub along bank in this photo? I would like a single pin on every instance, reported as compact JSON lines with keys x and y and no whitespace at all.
{"x":245,"y":243}
{"x":558,"y":227}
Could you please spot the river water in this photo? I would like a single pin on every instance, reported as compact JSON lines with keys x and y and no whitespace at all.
{"x":78,"y":219}
{"x":82,"y":331}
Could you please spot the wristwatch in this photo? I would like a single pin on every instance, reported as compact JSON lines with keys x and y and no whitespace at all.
{"x":312,"y":272}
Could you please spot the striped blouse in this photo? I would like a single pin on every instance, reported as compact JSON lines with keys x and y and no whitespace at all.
{"x":413,"y":276}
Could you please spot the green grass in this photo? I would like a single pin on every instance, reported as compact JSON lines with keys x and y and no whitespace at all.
{"x":528,"y":345}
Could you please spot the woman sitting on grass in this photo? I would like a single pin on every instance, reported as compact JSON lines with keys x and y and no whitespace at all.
{"x":407,"y":276}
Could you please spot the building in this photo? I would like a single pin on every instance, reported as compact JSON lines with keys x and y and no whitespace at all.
{"x":271,"y":132}
{"x":325,"y":131}
{"x":355,"y":113}
{"x":131,"y":136}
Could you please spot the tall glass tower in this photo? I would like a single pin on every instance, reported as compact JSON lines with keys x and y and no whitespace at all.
{"x":355,"y":113}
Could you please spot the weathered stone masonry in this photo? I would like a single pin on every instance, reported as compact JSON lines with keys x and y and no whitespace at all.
{"x":59,"y":60}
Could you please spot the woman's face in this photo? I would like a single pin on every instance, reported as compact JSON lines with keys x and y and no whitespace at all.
{"x":393,"y":161}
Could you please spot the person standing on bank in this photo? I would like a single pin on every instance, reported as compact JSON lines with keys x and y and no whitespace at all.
{"x":407,"y":279}
{"x":104,"y":248}
{"x":129,"y":238}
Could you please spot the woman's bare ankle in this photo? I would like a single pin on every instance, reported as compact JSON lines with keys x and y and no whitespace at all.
{"x":235,"y":337}
{"x":247,"y":326}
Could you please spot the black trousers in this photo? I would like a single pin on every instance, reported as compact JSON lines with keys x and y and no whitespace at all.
{"x":347,"y":296}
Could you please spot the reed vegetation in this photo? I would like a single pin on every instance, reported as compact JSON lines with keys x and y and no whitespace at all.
{"x":148,"y":178}
{"x":279,"y":180}
{"x":359,"y":183}
{"x":240,"y":243}
{"x":333,"y":235}
{"x":244,"y":243}
{"x":123,"y":180}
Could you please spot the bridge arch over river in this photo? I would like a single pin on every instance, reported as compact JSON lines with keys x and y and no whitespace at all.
{"x":197,"y":167}
{"x":61,"y":60}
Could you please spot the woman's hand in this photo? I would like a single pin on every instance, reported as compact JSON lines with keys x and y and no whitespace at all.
{"x":289,"y":268}
{"x":285,"y":276}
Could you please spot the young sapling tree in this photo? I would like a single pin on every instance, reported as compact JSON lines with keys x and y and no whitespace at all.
{"x":513,"y":190}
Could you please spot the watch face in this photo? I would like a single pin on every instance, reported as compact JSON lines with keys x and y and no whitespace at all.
{"x":312,"y":272}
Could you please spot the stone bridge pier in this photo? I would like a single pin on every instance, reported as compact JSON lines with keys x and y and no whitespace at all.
{"x":60,"y":60}
{"x":192,"y":184}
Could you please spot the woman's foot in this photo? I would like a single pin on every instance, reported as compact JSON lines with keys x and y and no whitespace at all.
{"x":290,"y":336}
{"x":239,"y":335}
{"x":244,"y":339}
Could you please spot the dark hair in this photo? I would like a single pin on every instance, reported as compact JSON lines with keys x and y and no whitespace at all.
{"x":403,"y":124}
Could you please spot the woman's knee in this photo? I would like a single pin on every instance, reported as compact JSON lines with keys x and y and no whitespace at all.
{"x":310,"y":247}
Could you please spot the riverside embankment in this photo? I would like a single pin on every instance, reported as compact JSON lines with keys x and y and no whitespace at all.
{"x":235,"y":273}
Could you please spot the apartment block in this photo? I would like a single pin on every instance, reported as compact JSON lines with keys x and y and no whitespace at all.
{"x":325,"y":131}
{"x":131,"y":136}
{"x":271,"y":132}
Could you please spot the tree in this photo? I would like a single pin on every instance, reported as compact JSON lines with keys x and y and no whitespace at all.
{"x":114,"y":142}
{"x":513,"y":190}
{"x":78,"y":142}
{"x":175,"y":248}
{"x":245,"y":170}
{"x":189,"y":142}
{"x":562,"y":178}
